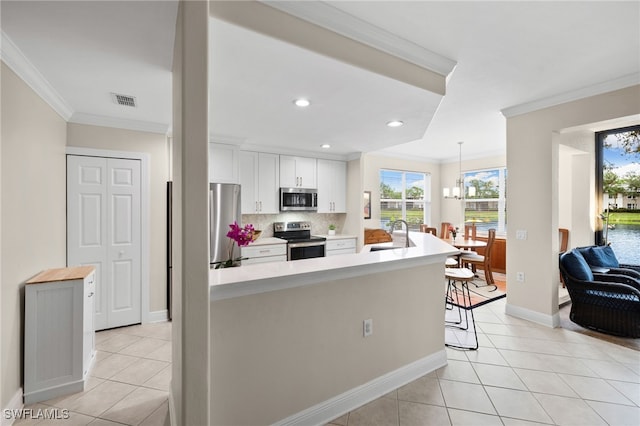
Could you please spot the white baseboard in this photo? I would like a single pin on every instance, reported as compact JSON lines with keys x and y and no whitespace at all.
{"x":324,"y":412}
{"x":533,"y":316}
{"x":14,"y":404}
{"x":158,"y":316}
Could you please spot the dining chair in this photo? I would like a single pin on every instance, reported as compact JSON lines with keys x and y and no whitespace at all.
{"x":427,"y":229}
{"x":444,"y":230}
{"x":470,"y":232}
{"x":483,"y":261}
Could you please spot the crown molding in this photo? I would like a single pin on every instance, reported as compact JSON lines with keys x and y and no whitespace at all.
{"x":119,"y":123}
{"x":327,"y":16}
{"x":18,"y":62}
{"x":574,"y":95}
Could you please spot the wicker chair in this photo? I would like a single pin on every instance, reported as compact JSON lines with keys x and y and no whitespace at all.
{"x":608,"y":303}
{"x":602,"y":259}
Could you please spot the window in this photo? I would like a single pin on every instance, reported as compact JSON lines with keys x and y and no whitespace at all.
{"x":405,"y":195}
{"x":618,"y":186}
{"x":487,"y":207}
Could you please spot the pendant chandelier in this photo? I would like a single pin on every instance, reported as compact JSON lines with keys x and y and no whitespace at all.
{"x":457,"y":192}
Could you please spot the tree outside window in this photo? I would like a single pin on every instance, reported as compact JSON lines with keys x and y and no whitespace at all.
{"x":619,"y":169}
{"x":487,"y":208}
{"x":402,"y":196}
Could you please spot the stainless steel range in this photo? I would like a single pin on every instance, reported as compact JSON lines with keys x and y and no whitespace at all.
{"x":300,"y":243}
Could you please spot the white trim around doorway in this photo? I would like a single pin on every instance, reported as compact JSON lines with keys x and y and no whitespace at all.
{"x":145,"y":211}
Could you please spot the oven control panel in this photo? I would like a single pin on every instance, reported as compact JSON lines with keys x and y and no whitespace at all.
{"x":291,"y":226}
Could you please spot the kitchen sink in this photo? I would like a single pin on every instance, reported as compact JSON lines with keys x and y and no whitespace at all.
{"x":377,"y":248}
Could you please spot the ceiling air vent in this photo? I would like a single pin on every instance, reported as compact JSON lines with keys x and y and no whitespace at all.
{"x":125,"y":100}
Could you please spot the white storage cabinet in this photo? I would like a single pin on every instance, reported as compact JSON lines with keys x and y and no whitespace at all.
{"x":335,"y":247}
{"x":298,"y":172}
{"x":223,"y":163}
{"x":259,"y":182}
{"x":263,"y":253}
{"x":59,"y":335}
{"x":332,"y":186}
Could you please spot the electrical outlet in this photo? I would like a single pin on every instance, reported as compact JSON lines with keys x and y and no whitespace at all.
{"x":367,"y":327}
{"x":520,"y":277}
{"x":521,"y":234}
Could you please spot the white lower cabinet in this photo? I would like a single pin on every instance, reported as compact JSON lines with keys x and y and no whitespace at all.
{"x":264,"y":253}
{"x":335,"y":247}
{"x":59,"y":332}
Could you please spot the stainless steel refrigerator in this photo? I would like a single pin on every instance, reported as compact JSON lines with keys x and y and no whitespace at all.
{"x":224,"y":209}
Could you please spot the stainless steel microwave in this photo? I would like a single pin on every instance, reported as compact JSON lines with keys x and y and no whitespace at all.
{"x":298,"y":199}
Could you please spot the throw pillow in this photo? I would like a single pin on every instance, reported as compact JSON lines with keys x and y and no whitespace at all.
{"x":576,"y":266}
{"x":602,"y":256}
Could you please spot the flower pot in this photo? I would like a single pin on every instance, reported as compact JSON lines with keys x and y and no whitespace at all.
{"x":332,"y":232}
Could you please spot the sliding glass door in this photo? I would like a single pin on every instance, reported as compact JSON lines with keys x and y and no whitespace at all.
{"x":618,"y":173}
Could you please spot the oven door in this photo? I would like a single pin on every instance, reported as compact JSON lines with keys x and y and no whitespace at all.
{"x":306,"y":250}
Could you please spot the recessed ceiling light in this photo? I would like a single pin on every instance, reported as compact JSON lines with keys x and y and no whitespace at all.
{"x":395,"y":123}
{"x":325,"y":146}
{"x":302,"y":102}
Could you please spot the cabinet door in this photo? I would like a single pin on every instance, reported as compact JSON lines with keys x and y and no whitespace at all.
{"x":339,"y":187}
{"x":332,"y":186}
{"x":248,"y":182}
{"x":306,"y":170}
{"x":325,"y":186}
{"x":268,"y":171}
{"x":288,"y":177}
{"x":223,"y":163}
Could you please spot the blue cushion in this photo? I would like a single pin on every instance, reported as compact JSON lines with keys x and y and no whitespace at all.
{"x":602,"y":256}
{"x":576,"y":266}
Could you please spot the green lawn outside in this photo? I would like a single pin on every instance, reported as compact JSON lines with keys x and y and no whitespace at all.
{"x":625,"y":218}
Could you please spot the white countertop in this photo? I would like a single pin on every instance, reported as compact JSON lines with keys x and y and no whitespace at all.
{"x":259,"y":278}
{"x":337,"y":236}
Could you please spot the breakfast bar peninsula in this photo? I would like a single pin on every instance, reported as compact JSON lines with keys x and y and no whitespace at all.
{"x":288,"y":341}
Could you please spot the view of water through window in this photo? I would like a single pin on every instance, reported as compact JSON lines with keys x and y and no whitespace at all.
{"x":621,"y":194}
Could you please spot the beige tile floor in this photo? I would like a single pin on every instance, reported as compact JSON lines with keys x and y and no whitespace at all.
{"x":523,"y":374}
{"x":128,"y":384}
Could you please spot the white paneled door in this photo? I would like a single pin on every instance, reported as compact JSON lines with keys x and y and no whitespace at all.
{"x":103,"y":230}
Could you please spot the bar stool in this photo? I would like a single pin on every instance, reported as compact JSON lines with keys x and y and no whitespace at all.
{"x":463,"y":276}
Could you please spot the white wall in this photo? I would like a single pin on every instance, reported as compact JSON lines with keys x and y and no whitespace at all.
{"x":33,"y":214}
{"x":278,"y":353}
{"x":532,"y":203}
{"x":154,"y":144}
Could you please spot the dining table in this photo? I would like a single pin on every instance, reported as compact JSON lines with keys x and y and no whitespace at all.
{"x":465,"y":245}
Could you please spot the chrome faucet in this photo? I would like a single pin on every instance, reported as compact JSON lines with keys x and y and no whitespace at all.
{"x":406,"y":226}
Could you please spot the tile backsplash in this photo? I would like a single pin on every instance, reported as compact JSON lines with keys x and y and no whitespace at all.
{"x":320,"y":221}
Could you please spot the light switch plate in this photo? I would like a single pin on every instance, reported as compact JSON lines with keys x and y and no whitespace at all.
{"x":521,"y":234}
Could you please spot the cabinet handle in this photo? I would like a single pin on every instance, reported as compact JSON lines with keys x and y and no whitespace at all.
{"x":256,"y":210}
{"x":90,"y":294}
{"x":260,"y":203}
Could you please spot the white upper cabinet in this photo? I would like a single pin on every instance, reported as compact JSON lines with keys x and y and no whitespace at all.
{"x":223,"y":163}
{"x":259,"y":182}
{"x":332,"y":186}
{"x":297,"y":172}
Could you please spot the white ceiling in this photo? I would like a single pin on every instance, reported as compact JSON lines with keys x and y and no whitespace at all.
{"x":507,"y":54}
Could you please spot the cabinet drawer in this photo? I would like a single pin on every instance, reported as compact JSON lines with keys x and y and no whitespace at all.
{"x":341,"y":244}
{"x":263,"y":251}
{"x":351,"y":250}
